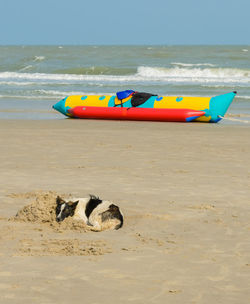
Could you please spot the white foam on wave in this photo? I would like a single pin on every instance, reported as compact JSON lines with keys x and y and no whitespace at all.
{"x":243,"y":96}
{"x":196,"y":74}
{"x":16,"y":83}
{"x":192,"y":64}
{"x":39,"y":58}
{"x":63,"y":78}
{"x":33,"y":97}
{"x":66,"y":93}
{"x":55,"y":95}
{"x":144,"y":75}
{"x":26,"y":68}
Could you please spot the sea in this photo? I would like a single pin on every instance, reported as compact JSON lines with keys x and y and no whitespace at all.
{"x":33,"y":78}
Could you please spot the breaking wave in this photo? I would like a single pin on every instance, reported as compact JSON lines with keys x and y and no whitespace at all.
{"x":193,"y":64}
{"x":143,"y":74}
{"x":39,"y":58}
{"x":225,"y":75}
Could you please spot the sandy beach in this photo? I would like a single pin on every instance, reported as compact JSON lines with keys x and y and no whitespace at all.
{"x":184,"y":191}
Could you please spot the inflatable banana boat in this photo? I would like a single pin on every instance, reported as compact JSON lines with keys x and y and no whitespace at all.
{"x":130,"y":105}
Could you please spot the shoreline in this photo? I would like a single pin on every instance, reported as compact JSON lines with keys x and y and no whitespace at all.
{"x":28,"y":109}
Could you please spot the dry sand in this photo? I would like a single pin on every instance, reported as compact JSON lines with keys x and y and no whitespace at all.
{"x":184,"y":190}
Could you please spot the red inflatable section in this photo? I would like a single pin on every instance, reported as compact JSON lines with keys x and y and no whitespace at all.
{"x":135,"y":113}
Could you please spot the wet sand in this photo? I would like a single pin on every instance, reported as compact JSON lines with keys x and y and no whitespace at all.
{"x":183,"y":188}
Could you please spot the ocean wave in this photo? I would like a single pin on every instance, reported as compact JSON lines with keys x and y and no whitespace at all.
{"x":226,"y":73}
{"x":39,"y":58}
{"x":32,"y":97}
{"x":49,"y":94}
{"x":28,"y":67}
{"x":144,"y":74}
{"x":97,"y":70}
{"x":16,"y":83}
{"x":243,"y":96}
{"x":193,"y":64}
{"x":238,"y":115}
{"x":66,"y":93}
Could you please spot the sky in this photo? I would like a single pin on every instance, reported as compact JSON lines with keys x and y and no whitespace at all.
{"x":129,"y":22}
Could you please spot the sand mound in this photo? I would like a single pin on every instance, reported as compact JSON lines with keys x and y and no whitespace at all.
{"x":42,"y":210}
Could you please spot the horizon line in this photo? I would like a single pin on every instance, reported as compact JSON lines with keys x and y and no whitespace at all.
{"x":92,"y":44}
